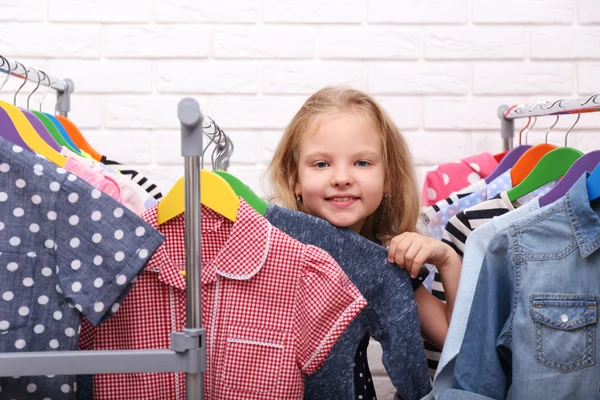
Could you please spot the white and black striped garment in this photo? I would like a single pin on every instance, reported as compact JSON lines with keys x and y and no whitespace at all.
{"x":137,"y":178}
{"x":432,"y":353}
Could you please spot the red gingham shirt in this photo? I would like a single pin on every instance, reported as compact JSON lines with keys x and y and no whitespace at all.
{"x":272,"y":307}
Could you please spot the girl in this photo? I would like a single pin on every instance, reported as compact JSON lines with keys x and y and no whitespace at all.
{"x":342,"y":159}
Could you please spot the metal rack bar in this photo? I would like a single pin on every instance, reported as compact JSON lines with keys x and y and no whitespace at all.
{"x":19,"y":70}
{"x":63,"y":87}
{"x":94,"y":362}
{"x":508,"y":114}
{"x":191,"y":119}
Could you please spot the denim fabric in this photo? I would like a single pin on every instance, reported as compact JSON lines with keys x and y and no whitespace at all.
{"x":532,"y":325}
{"x":475,"y":250}
{"x":390,"y":317}
{"x":66,"y":251}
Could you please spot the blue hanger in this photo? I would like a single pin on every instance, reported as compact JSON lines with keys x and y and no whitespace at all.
{"x":593,"y":184}
{"x":63,"y":132}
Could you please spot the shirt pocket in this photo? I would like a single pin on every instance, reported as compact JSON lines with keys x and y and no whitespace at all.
{"x":565,"y":331}
{"x":253,"y":359}
{"x":16,"y":291}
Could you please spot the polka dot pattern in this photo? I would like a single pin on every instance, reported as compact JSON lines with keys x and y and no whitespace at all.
{"x":66,"y":245}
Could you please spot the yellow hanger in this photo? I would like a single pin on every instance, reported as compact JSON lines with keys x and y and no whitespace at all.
{"x":215,"y":193}
{"x":30,"y":136}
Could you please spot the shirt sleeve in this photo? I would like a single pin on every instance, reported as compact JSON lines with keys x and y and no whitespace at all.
{"x":99,"y":248}
{"x":327,"y":302}
{"x":421,"y":277}
{"x":484,"y":363}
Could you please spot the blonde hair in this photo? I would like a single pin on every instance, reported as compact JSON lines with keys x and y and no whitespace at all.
{"x":399,"y":209}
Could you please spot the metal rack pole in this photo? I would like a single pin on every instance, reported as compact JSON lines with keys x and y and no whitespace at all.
{"x":558,"y":107}
{"x":191,"y":119}
{"x":64,"y":87}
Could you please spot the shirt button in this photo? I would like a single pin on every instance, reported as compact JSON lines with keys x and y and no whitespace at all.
{"x":564,"y":318}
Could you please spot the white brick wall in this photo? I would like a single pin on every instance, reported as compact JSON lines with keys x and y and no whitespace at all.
{"x":441,"y":68}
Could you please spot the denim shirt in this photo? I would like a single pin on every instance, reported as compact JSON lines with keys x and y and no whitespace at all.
{"x":390,"y":316}
{"x":533,"y":323}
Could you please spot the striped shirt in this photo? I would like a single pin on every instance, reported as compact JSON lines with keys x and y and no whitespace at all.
{"x":137,"y":177}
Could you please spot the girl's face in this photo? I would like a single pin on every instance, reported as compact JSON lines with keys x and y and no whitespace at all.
{"x":340,"y":171}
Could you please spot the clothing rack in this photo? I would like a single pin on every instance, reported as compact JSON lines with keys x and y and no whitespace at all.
{"x":508,"y":114}
{"x":63,"y":87}
{"x":188,"y":349}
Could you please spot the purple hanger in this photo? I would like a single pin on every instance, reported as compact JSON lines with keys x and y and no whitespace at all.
{"x":41,"y":129}
{"x":509,"y":160}
{"x":586,"y":163}
{"x":8,"y":130}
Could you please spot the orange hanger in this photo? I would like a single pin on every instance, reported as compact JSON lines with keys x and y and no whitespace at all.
{"x":77,"y":137}
{"x":528,"y":160}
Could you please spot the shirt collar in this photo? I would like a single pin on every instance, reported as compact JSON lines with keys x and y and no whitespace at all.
{"x":585,"y":223}
{"x":241,"y":257}
{"x":246,"y":248}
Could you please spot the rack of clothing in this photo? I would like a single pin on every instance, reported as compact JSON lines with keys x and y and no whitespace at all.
{"x":187,"y":353}
{"x":524,"y":323}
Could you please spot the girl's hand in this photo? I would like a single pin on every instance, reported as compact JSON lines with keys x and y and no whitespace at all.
{"x":411,"y":250}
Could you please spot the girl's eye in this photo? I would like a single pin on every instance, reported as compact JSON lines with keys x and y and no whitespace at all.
{"x":362,"y":163}
{"x":321,"y":164}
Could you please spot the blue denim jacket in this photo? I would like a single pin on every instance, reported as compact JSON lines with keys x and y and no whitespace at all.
{"x":533,"y":324}
{"x":390,"y":317}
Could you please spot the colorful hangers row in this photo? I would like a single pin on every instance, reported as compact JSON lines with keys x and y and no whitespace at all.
{"x":37,"y":131}
{"x":532,"y":167}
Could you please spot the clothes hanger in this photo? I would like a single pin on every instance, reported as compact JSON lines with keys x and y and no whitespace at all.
{"x":530,"y":158}
{"x":239,"y":187}
{"x":51,"y":126}
{"x":61,"y":129}
{"x":35,"y":121}
{"x":587,"y":163}
{"x":552,"y":165}
{"x":8,"y":129}
{"x":29,"y":135}
{"x":73,"y":131}
{"x":511,"y":158}
{"x":215,"y":193}
{"x":243,"y":191}
{"x":224,"y":148}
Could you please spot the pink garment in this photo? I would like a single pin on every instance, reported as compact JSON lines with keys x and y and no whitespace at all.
{"x":103,"y":183}
{"x":452,"y":177}
{"x":129,"y":196}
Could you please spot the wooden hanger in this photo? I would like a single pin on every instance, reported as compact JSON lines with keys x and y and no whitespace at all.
{"x":215,"y":193}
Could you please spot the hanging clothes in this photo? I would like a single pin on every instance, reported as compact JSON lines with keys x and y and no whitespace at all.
{"x":452,"y":177}
{"x":533,"y":322}
{"x":66,"y":251}
{"x":460,"y":226}
{"x":390,"y":317}
{"x":137,"y":177}
{"x":273,"y":309}
{"x":474,"y":253}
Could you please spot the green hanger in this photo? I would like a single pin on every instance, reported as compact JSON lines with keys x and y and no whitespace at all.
{"x":53,"y":130}
{"x":553,"y":165}
{"x":244,"y":192}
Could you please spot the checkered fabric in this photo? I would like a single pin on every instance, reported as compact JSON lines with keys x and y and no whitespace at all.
{"x":272,"y":307}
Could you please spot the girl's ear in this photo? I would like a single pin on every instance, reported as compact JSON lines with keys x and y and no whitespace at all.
{"x":297,"y":190}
